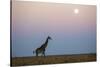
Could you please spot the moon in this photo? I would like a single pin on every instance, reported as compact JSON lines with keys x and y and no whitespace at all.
{"x":76,"y":11}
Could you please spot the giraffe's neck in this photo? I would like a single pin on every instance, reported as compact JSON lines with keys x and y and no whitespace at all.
{"x":46,"y":42}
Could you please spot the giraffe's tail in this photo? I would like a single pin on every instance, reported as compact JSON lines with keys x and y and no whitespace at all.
{"x":33,"y":52}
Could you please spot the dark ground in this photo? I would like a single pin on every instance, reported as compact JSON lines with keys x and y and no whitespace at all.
{"x":32,"y":60}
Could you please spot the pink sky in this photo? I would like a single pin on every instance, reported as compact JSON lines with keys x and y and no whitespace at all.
{"x":60,"y":16}
{"x":33,"y":19}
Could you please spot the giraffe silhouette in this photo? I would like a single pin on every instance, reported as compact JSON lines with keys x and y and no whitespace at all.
{"x":42,"y":48}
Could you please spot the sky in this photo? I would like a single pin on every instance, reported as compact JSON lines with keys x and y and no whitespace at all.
{"x":72,"y":28}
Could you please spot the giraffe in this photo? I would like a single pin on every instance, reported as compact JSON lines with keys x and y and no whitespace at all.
{"x":42,"y":48}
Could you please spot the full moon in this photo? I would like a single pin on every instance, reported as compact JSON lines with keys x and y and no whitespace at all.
{"x":76,"y":11}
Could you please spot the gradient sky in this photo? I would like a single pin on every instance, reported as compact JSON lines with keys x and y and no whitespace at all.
{"x":71,"y":33}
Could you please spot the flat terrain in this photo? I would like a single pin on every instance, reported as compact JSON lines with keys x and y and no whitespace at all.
{"x":22,"y":61}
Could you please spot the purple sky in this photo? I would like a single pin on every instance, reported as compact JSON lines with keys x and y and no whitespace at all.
{"x":72,"y":33}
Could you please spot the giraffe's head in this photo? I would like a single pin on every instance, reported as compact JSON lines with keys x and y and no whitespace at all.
{"x":49,"y":38}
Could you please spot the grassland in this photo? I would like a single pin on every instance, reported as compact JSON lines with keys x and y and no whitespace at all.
{"x":54,"y":59}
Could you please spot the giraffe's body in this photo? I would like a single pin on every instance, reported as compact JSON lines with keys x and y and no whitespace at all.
{"x":42,"y":48}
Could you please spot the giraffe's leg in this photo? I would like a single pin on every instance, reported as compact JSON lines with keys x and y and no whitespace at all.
{"x":36,"y":53}
{"x":44,"y":53}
